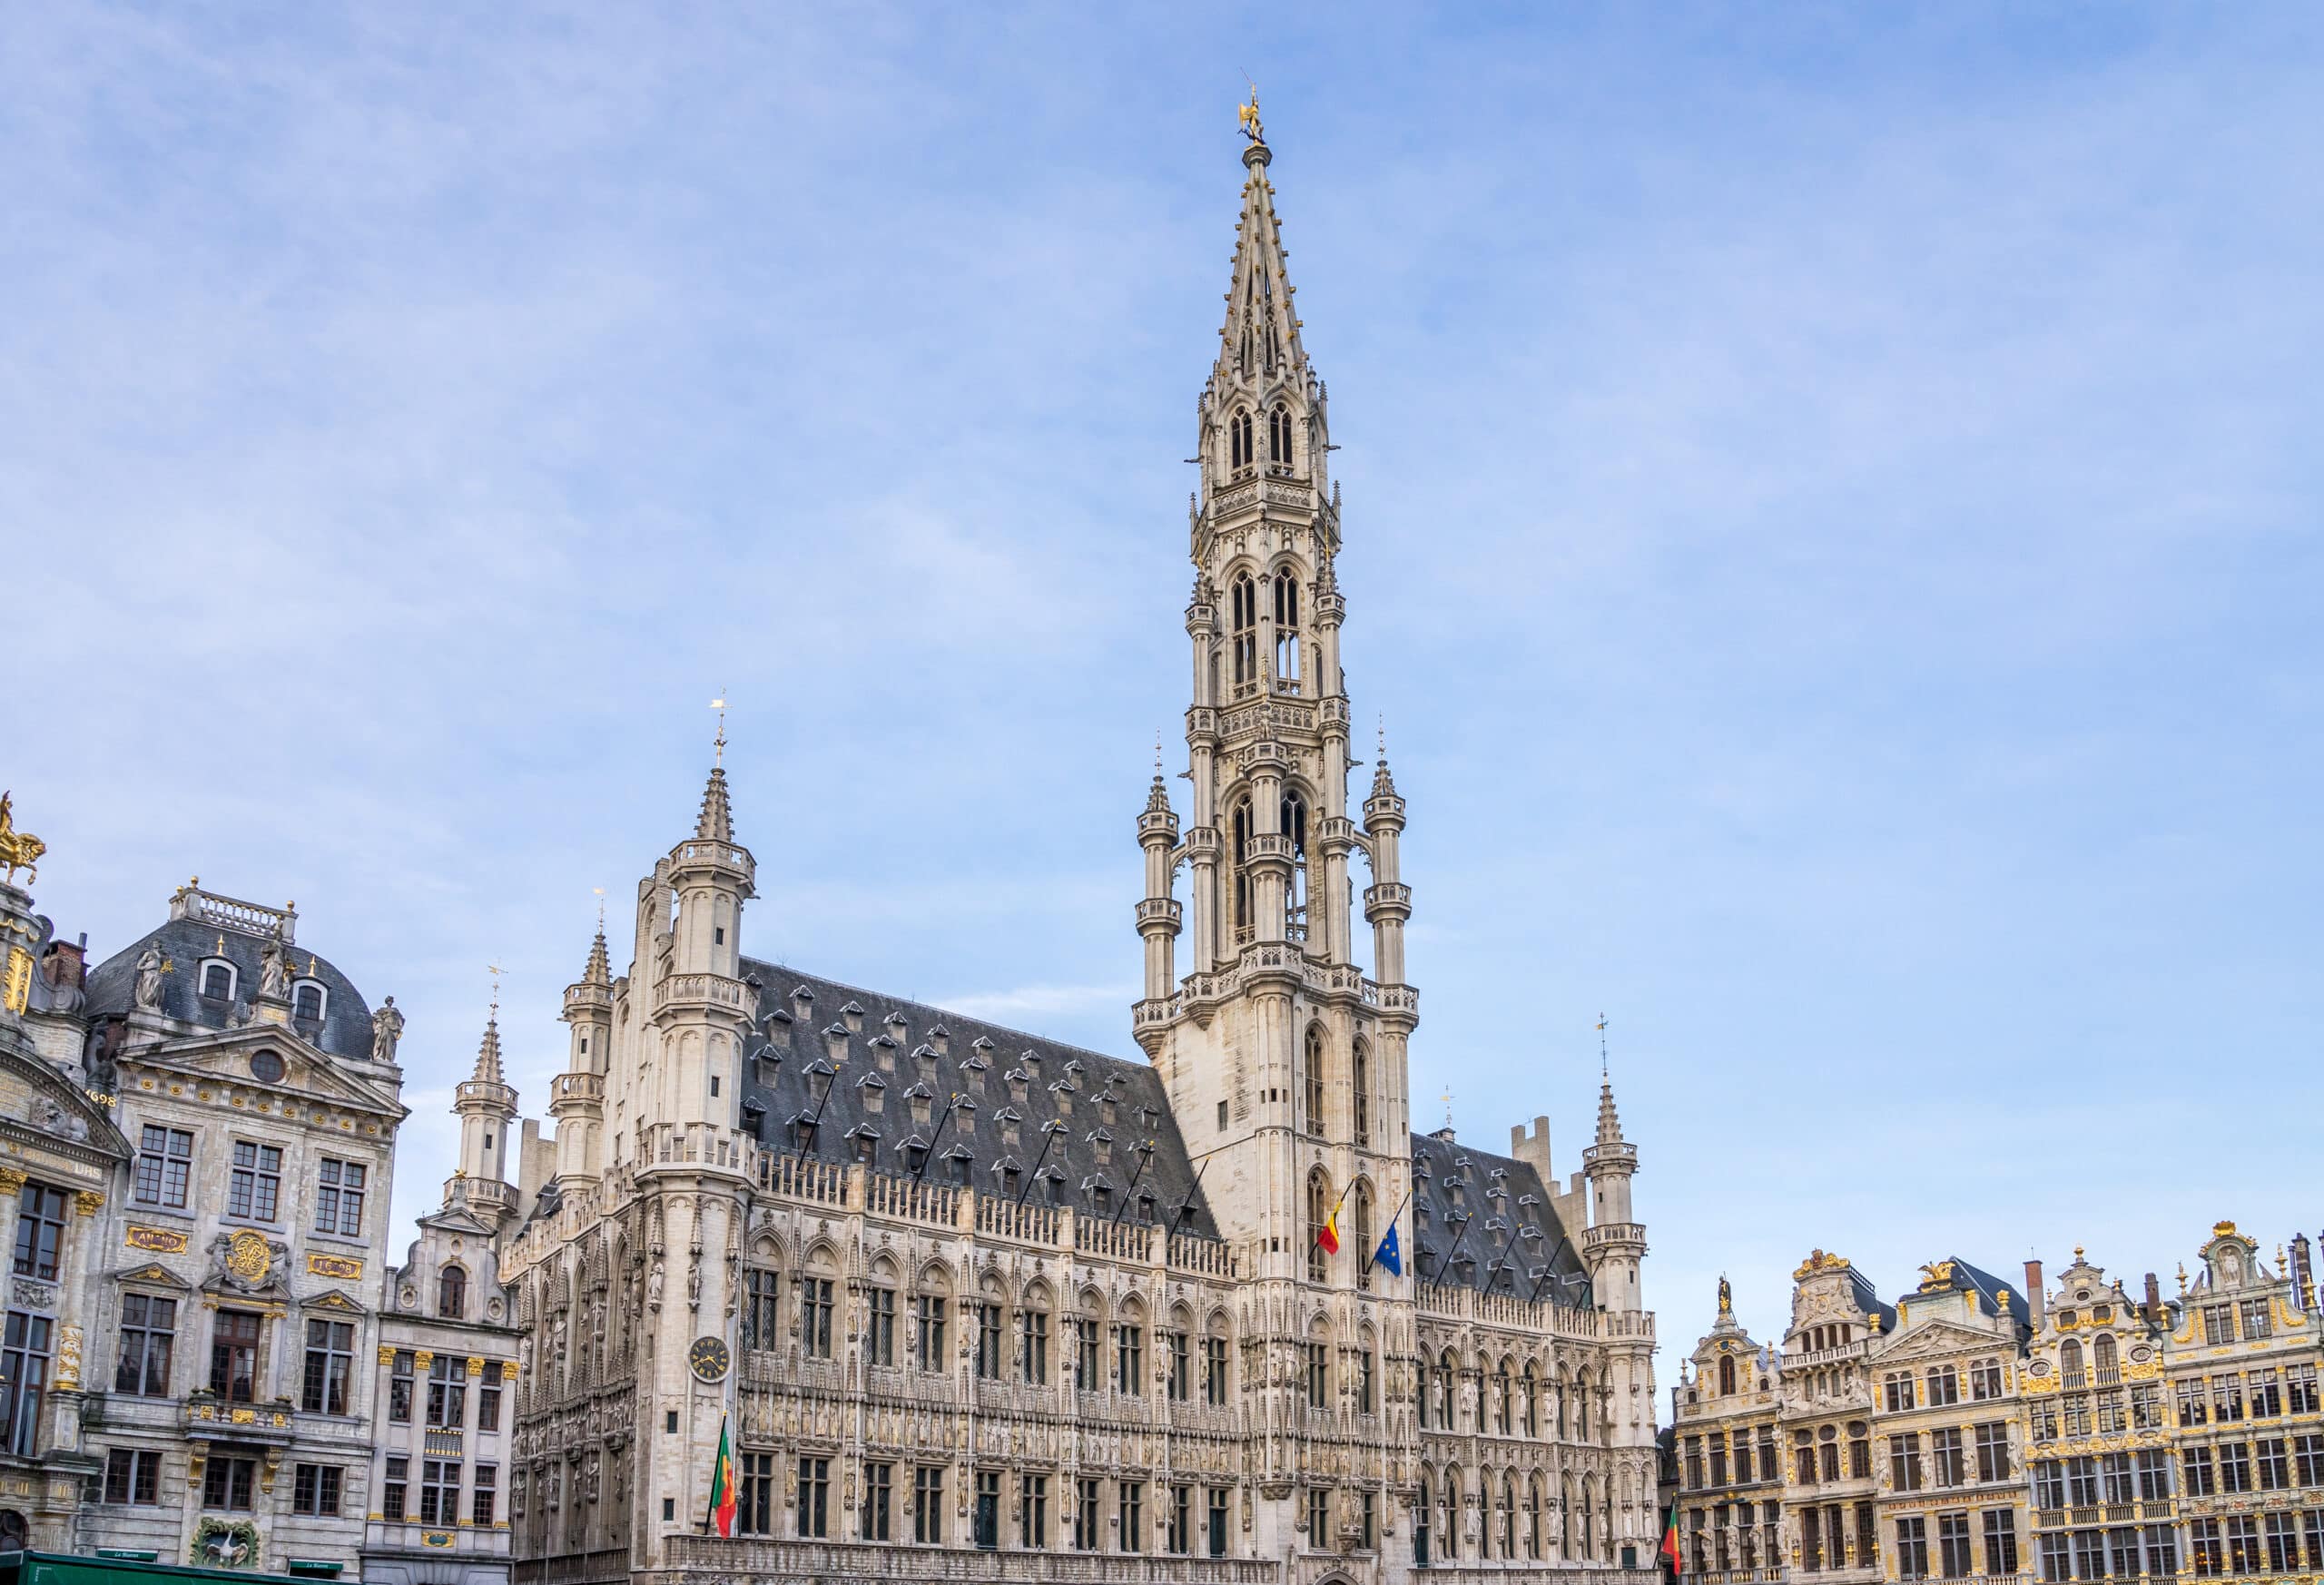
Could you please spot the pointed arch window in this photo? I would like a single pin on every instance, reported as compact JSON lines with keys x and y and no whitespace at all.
{"x":1243,"y":628}
{"x":1238,"y":438}
{"x":1319,"y":1207}
{"x":1315,"y":1062}
{"x":1238,"y":860}
{"x":1293,"y":814}
{"x":1364,"y":1241}
{"x":1286,"y":631}
{"x":1279,"y":434}
{"x":1360,"y":1083}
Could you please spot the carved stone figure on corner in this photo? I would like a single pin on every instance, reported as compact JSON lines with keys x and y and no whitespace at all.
{"x":387,"y":1029}
{"x":653,"y":1289}
{"x":148,"y":988}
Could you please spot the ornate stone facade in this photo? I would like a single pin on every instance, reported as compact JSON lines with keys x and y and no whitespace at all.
{"x":968,"y":1304}
{"x":1975,"y":1430}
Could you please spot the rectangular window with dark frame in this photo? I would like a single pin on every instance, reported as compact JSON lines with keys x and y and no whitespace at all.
{"x":229,"y":1483}
{"x":761,"y":1316}
{"x":40,"y":1231}
{"x":816,"y":1317}
{"x":1911,"y":1548}
{"x":1132,"y":1499}
{"x":254,"y":1187}
{"x":148,"y":1336}
{"x":314,"y":1489}
{"x":133,"y":1476}
{"x":1993,"y":1450}
{"x":488,"y":1395}
{"x":233,"y":1356}
{"x":1214,"y":1371}
{"x":1175,"y":1373}
{"x":399,"y":1382}
{"x":988,"y":1353}
{"x":1904,"y":1462}
{"x":879,"y":1331}
{"x":164,"y":1163}
{"x":1953,"y":1545}
{"x":1130,"y":1360}
{"x":2234,"y":1467}
{"x":439,"y":1492}
{"x":879,"y":1494}
{"x":2001,"y":1542}
{"x":1088,"y":1528}
{"x":484,"y":1495}
{"x":1033,"y":1347}
{"x":754,"y":1503}
{"x":330,"y":1361}
{"x":393,"y":1487}
{"x":814,"y":1497}
{"x":927,"y":1505}
{"x":447,"y":1393}
{"x":338,"y":1198}
{"x":1032,"y":1512}
{"x":1947,"y":1465}
{"x":1181,"y":1524}
{"x":928,"y":1346}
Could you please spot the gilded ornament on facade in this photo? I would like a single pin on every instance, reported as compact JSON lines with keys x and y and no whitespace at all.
{"x":16,"y":984}
{"x":19,"y":850}
{"x":343,"y":1266}
{"x":248,"y":1257}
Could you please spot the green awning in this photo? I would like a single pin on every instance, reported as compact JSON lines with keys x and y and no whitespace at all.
{"x":115,"y":1565}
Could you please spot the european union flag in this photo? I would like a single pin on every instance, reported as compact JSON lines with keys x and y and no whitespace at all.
{"x":1389,"y":1254}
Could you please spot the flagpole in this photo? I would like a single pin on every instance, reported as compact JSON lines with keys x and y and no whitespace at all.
{"x":1392,"y":1223}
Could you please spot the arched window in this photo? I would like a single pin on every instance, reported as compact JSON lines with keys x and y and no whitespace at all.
{"x":218,"y":981}
{"x":1421,"y":1397}
{"x":1726,"y":1374}
{"x":2101,"y":1356}
{"x":452,"y":1293}
{"x":1421,"y":1517}
{"x":1360,"y":1224}
{"x":1316,"y":1080}
{"x":1585,"y":1420}
{"x":1319,"y":1207}
{"x":1508,"y":1515}
{"x":1445,"y":1372}
{"x":1238,"y":863}
{"x":1360,"y":1086}
{"x":1294,"y":898}
{"x":1286,"y":631}
{"x":1530,"y":1387}
{"x":1501,"y":1394}
{"x":1565,"y":1516}
{"x":1243,"y":625}
{"x":1589,"y":1514}
{"x":2070,"y":1361}
{"x":1238,"y":431}
{"x":1534,"y":1517}
{"x":1279,"y":434}
{"x":1451,"y":1514}
{"x":307,"y":1001}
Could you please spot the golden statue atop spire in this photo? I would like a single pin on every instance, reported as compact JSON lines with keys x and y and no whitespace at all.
{"x":19,"y":850}
{"x":1247,"y":116}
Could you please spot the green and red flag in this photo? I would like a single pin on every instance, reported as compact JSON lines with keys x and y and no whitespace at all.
{"x":722,"y":1486}
{"x":1670,"y":1547}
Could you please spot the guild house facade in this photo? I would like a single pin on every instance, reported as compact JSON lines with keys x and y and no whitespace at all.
{"x":2065,"y":1431}
{"x":973,"y":1304}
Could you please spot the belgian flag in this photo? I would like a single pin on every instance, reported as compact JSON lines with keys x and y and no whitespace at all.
{"x":1670,"y":1549}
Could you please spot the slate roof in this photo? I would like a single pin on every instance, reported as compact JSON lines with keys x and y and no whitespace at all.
{"x":789,"y":1079}
{"x":1867,"y":1299}
{"x":346,"y":1029}
{"x":1452,"y":1180}
{"x":1966,"y":1278}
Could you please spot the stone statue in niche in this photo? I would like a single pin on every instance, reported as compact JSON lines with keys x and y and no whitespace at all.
{"x":653,"y":1289}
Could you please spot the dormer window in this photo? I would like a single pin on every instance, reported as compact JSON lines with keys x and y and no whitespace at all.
{"x":217,"y":979}
{"x":452,"y":1293}
{"x":308,"y":1000}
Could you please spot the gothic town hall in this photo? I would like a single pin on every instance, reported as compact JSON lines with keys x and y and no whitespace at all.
{"x":963,"y":1303}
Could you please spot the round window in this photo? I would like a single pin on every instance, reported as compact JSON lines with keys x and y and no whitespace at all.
{"x":266,"y":1067}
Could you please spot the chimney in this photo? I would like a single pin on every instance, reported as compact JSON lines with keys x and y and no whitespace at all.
{"x":2153,"y":1301}
{"x":2302,"y":1283}
{"x":2036,"y":1296}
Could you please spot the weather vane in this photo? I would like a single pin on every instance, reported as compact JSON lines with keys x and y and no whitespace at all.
{"x":494,"y":969}
{"x":1247,"y":115}
{"x":601,"y":908}
{"x":719,"y":705}
{"x":1602,"y":1069}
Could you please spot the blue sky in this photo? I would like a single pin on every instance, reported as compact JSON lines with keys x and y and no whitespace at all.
{"x":1831,"y":524}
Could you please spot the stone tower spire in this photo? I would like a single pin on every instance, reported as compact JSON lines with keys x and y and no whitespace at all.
{"x":486,"y":1107}
{"x":578,"y":1098}
{"x":1614,"y":1245}
{"x":1285,"y":1063}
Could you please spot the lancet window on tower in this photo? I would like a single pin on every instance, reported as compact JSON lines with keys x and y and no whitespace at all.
{"x":1239,"y":439}
{"x":1279,"y":435}
{"x":1244,"y":627}
{"x":1314,"y":1065}
{"x":1239,"y":862}
{"x":1319,"y":1207}
{"x":1295,"y":896}
{"x":1359,"y":1081}
{"x":1286,"y":632}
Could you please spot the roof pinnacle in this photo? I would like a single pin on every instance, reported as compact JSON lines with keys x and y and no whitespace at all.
{"x":488,"y":1052}
{"x":1610,"y":1122}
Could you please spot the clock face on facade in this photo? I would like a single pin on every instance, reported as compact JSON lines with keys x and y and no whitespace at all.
{"x":709,"y":1358}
